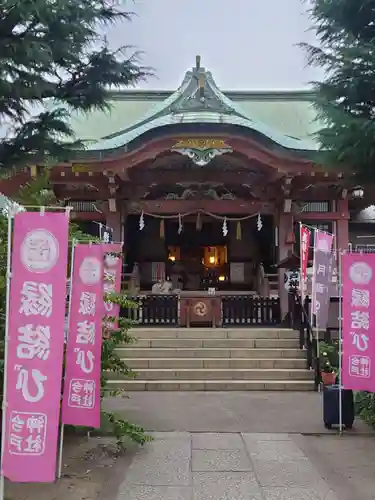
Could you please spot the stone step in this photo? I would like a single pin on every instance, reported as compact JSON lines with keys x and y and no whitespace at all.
{"x":211,"y":385}
{"x":215,"y":333}
{"x":233,"y":363}
{"x":215,"y":343}
{"x":184,"y":352}
{"x":172,"y":374}
{"x":214,"y":359}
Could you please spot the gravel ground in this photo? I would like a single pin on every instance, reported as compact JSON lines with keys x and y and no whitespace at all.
{"x":92,"y":469}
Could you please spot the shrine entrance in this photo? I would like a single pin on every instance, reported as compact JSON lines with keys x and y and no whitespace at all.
{"x":201,"y":251}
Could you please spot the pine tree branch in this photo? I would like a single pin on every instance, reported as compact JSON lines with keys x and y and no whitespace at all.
{"x":53,"y":62}
{"x":345,"y":100}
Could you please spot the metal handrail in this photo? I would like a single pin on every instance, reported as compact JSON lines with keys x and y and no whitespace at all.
{"x":308,"y":339}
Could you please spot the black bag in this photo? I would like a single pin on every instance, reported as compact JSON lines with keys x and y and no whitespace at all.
{"x":331,"y":407}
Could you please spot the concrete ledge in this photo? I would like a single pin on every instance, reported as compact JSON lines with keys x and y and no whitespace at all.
{"x":212,"y":352}
{"x":234,"y":363}
{"x":212,"y":385}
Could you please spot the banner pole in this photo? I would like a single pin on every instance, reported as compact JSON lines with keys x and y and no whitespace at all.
{"x":315,"y":333}
{"x":318,"y":353}
{"x":340,"y":341}
{"x":62,"y":427}
{"x":301,"y":274}
{"x":4,"y":406}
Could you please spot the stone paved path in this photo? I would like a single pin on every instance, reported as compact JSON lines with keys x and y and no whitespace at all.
{"x":222,"y":466}
{"x":252,"y":411}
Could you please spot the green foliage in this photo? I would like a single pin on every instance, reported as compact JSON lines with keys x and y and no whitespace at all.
{"x":329,"y":357}
{"x":365,"y":407}
{"x":114,"y":366}
{"x":53,"y":62}
{"x":346,"y":99}
{"x":37,"y":192}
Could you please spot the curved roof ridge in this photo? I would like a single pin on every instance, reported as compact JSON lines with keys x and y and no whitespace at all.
{"x":156,"y":110}
{"x":208,"y":117}
{"x":199,"y":100}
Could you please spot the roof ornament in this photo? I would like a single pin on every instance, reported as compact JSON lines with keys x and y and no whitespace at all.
{"x":201,"y":77}
{"x":201,"y":151}
{"x":202,"y":83}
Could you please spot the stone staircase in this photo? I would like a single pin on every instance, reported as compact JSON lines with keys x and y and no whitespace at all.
{"x":215,"y":359}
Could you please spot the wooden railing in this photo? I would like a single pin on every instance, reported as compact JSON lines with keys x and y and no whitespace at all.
{"x":236,"y":310}
{"x":154,"y":310}
{"x":247,"y":310}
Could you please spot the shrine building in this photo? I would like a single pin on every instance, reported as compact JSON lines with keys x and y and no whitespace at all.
{"x":206,"y":187}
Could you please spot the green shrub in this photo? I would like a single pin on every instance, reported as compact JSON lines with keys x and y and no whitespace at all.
{"x":329,"y":356}
{"x":365,"y":407}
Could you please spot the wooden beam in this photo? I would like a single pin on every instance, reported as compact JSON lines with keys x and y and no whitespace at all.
{"x":88,"y":216}
{"x":320,"y":216}
{"x":149,"y":150}
{"x":223,"y":207}
{"x":195,"y":176}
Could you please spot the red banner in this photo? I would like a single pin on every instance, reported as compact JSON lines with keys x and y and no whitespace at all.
{"x":81,"y":401}
{"x":305,"y":236}
{"x":35,"y":346}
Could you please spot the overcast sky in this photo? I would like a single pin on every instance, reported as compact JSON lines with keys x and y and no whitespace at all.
{"x":247,"y":44}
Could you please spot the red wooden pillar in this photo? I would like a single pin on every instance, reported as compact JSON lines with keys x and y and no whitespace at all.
{"x":114,"y":221}
{"x":342,"y":228}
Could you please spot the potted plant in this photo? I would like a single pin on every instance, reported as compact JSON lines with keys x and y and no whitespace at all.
{"x":328,"y":360}
{"x":328,"y":374}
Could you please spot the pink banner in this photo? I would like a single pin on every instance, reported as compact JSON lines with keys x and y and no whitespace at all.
{"x":305,"y":235}
{"x":81,"y":401}
{"x":358,"y":321}
{"x":112,"y":278}
{"x":35,"y":346}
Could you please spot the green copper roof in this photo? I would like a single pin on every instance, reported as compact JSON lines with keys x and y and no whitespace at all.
{"x":287,"y":118}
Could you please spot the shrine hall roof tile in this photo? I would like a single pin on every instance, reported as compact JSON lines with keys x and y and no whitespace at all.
{"x":286,"y":118}
{"x":119,"y":141}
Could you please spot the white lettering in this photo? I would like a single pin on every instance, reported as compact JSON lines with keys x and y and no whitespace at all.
{"x":320,"y":288}
{"x":81,"y":393}
{"x":110,"y":275}
{"x":322,"y":270}
{"x":17,"y":423}
{"x":82,"y":356}
{"x":16,"y":442}
{"x":108,"y":306}
{"x":109,"y":287}
{"x":87,"y":304}
{"x":111,"y":260}
{"x":22,"y":383}
{"x":34,"y":445}
{"x":360,"y":298}
{"x":360,"y":341}
{"x":86,"y":332}
{"x":36,"y":299}
{"x":29,"y":439}
{"x":35,"y":423}
{"x":360,"y":366}
{"x":360,"y":320}
{"x":34,"y":342}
